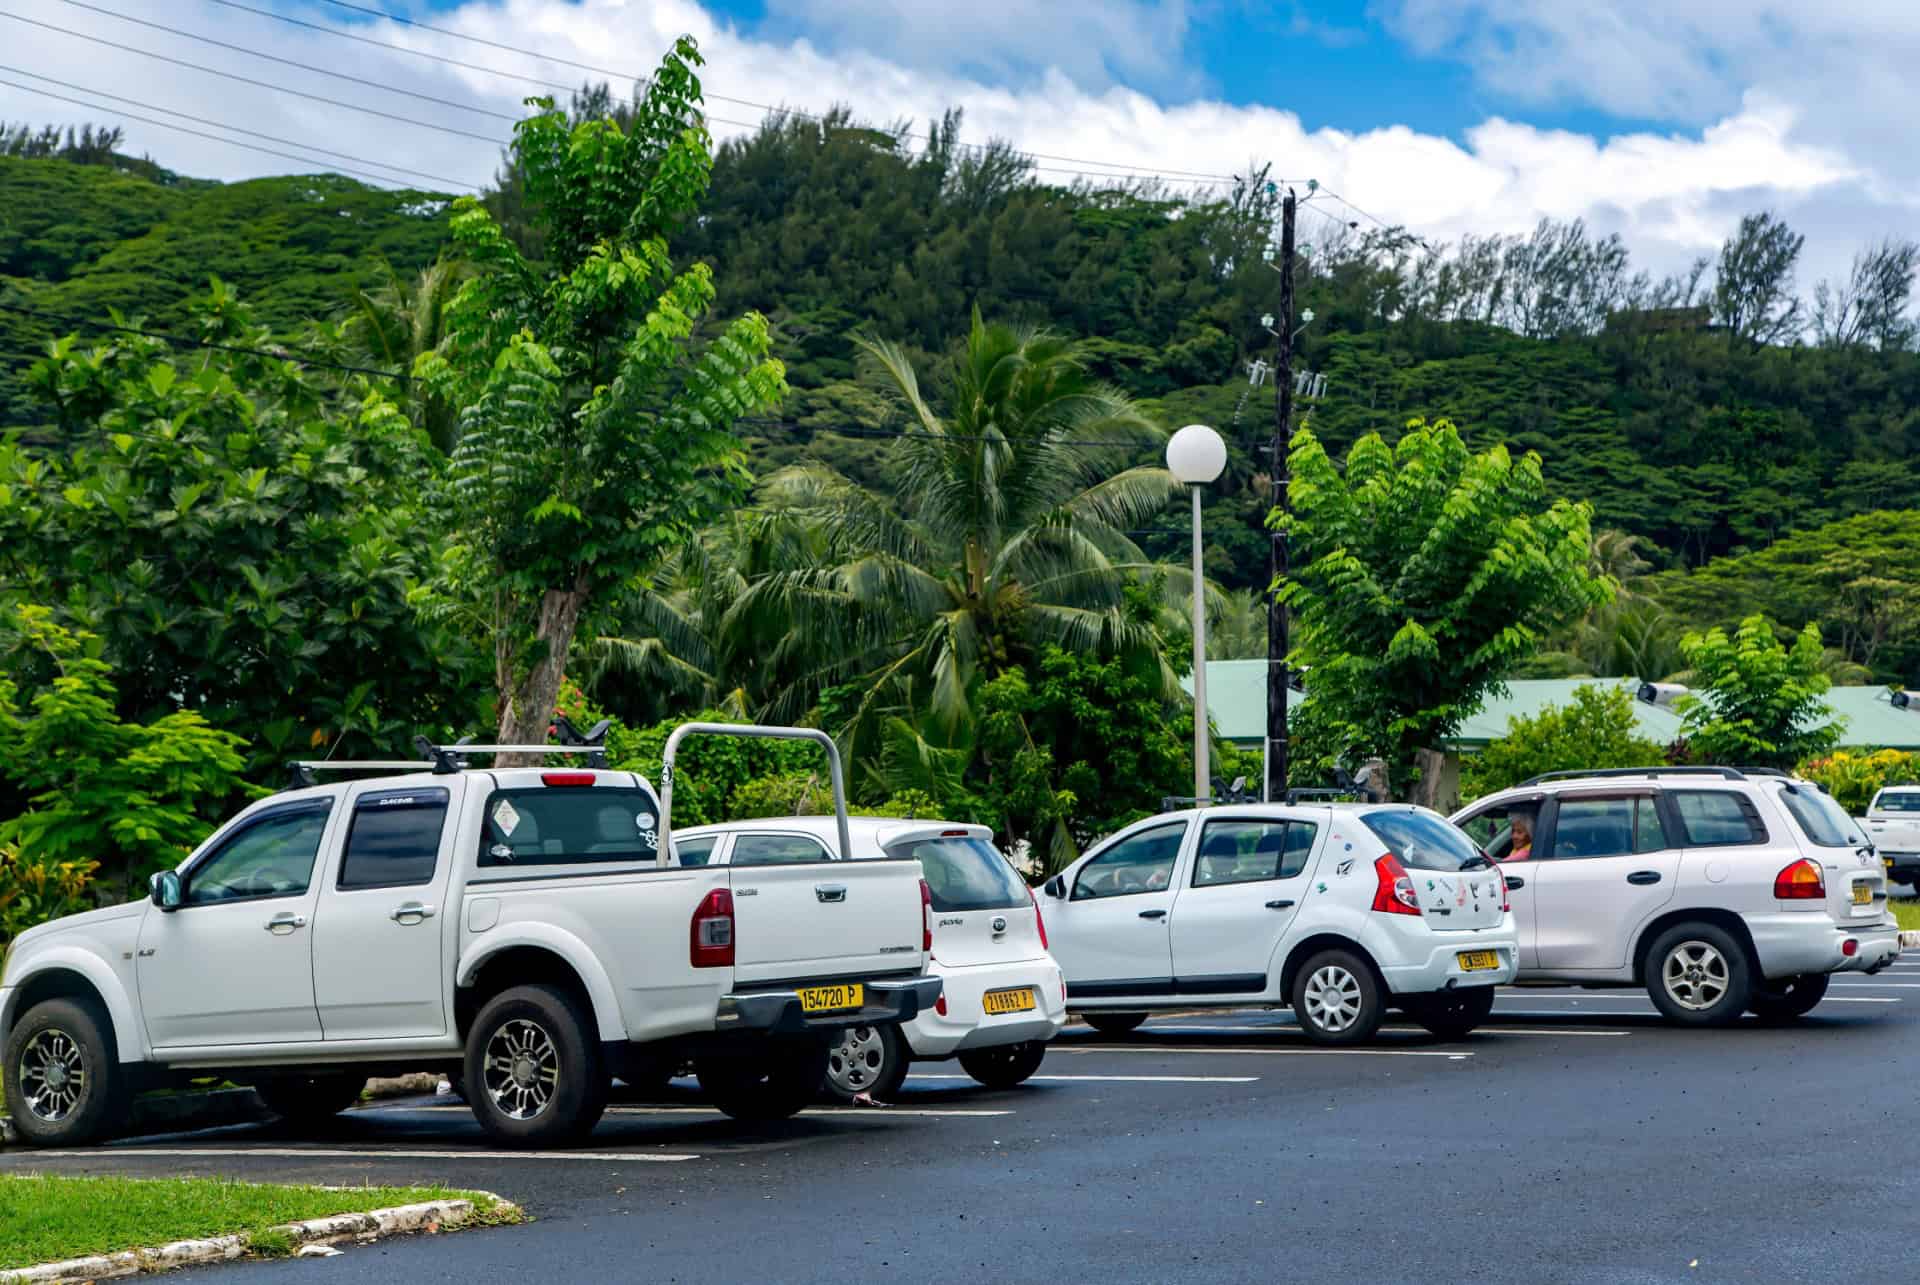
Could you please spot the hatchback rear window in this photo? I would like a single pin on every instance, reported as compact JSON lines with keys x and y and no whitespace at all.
{"x":1423,"y":841}
{"x":1898,"y":801}
{"x":965,"y":873}
{"x":568,"y":825}
{"x":1823,"y":821}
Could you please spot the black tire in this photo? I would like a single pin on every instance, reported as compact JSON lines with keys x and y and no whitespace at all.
{"x":866,"y":1059}
{"x":308,"y":1101}
{"x":1698,"y":975}
{"x":1790,"y":998}
{"x":546,"y":1084}
{"x":1451,"y":1015}
{"x":647,"y":1075}
{"x":1336,"y":1000}
{"x":1005,"y":1065}
{"x":52,"y":1041}
{"x":1115,"y":1024}
{"x":781,"y":1080}
{"x":457,"y":1083}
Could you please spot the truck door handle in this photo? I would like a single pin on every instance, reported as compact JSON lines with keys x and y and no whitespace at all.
{"x":1644,"y":877}
{"x":1515,"y":881}
{"x":285,"y":922}
{"x":830,"y":891}
{"x":1279,"y":905}
{"x":1153,"y":914}
{"x":411,"y":912}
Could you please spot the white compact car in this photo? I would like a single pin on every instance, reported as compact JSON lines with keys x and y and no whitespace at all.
{"x":1893,"y":824}
{"x":1720,"y":890}
{"x":1342,"y":911}
{"x":1002,"y":998}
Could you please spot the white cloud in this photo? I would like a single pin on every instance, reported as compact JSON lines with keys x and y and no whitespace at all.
{"x":1672,"y":195}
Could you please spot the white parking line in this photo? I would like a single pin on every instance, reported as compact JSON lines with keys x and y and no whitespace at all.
{"x":1259,"y":1052}
{"x":1642,"y":999}
{"x":1120,"y":1079}
{"x":865,"y":1112}
{"x":376,"y":1153}
{"x":1882,"y":986}
{"x":1289,"y":1029}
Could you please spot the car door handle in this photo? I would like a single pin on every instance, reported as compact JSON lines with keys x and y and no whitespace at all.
{"x":1644,"y":877}
{"x":1153,"y":914}
{"x":1280,"y":905}
{"x":410,"y":913}
{"x":830,"y":891}
{"x":287,"y":921}
{"x":1515,"y":881}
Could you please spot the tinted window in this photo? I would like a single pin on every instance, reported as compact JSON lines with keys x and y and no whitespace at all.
{"x":1711,"y":818}
{"x":1140,"y":862}
{"x":1897,"y":801}
{"x":695,"y":852}
{"x":563,"y":825}
{"x":1249,"y":851}
{"x":1607,"y":827}
{"x":777,"y":850}
{"x":272,"y":857}
{"x":1424,"y":841}
{"x":1822,"y":820}
{"x":1505,"y":833}
{"x":395,"y":839}
{"x":966,"y":874}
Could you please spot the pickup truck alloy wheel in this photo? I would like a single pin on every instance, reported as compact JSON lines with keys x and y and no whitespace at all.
{"x":1336,"y":999}
{"x":53,"y":1074}
{"x":522,"y":1070}
{"x":534,"y":1071}
{"x":1698,"y":975}
{"x":61,"y":1077}
{"x":867,"y":1059}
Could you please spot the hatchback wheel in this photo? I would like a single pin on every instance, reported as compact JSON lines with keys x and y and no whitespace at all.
{"x":534,"y":1076}
{"x":866,"y":1059}
{"x":62,"y":1080}
{"x":1698,"y":975}
{"x":1336,"y":999}
{"x":1453,"y":1014}
{"x":1784,"y":1001}
{"x":1113,"y":1023}
{"x":1004,"y":1065}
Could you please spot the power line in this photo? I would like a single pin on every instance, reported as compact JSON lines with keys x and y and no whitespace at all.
{"x":101,"y":93}
{"x":184,"y":341}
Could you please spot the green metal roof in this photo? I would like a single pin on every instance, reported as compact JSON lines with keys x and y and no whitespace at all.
{"x":1237,"y":700}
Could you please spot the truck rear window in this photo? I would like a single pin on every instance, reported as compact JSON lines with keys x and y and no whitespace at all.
{"x":561,"y":825}
{"x":1898,"y":801}
{"x":1424,"y":841}
{"x":965,"y":873}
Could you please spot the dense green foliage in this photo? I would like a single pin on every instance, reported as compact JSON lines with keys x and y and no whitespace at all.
{"x":1595,"y":730}
{"x":1853,"y":779}
{"x":1755,"y":700}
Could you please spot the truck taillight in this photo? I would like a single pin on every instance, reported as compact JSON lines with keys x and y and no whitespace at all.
{"x":1800,"y":881}
{"x":566,"y":778}
{"x":1039,"y":920}
{"x":926,"y":918}
{"x":1393,"y":892}
{"x":710,"y":938}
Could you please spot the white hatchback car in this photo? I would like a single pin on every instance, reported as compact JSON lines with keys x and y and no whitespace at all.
{"x":1720,"y":890}
{"x":1341,"y":910}
{"x":1003,"y":996}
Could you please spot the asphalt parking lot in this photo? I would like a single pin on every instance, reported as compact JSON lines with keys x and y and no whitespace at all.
{"x":1575,"y":1139}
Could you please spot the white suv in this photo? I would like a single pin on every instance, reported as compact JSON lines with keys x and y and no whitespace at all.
{"x":1720,"y":890}
{"x":1341,"y":910}
{"x":1002,"y":998}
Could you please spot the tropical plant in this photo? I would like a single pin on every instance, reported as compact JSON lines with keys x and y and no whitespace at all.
{"x":1595,"y":730}
{"x":1853,"y":778}
{"x":1237,"y":625}
{"x":1755,"y":701}
{"x":396,"y":323}
{"x":32,"y":892}
{"x":1423,"y":572}
{"x":595,"y":439}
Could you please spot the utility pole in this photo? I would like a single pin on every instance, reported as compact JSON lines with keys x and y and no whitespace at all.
{"x":1277,"y":632}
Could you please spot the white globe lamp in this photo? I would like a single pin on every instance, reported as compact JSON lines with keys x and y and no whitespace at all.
{"x":1196,"y":455}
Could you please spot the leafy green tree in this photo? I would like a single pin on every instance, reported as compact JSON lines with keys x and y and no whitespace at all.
{"x":1422,"y":573}
{"x":1754,"y":700}
{"x":396,"y":323}
{"x":1753,"y":287}
{"x":595,"y":439}
{"x":1596,"y":730}
{"x":127,"y":798}
{"x":1853,"y":778}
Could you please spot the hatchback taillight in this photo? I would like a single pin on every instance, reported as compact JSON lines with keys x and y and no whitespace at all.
{"x":1505,"y":902}
{"x":1393,"y":892}
{"x":710,"y":938}
{"x":926,"y":918}
{"x":1039,"y":920}
{"x":1800,"y":881}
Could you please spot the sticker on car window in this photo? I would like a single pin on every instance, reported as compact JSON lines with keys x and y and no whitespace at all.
{"x":644,"y":821}
{"x":506,"y":817}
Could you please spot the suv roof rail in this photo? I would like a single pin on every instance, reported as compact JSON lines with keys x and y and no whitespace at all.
{"x":1766,"y":771}
{"x":1724,"y":773}
{"x":1330,"y":793}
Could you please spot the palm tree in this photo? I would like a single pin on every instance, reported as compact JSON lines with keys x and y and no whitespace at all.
{"x":1237,"y":625}
{"x":1010,"y":536}
{"x":394,"y":324}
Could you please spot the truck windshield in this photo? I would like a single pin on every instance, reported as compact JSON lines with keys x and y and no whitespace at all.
{"x":1824,"y":822}
{"x":1425,"y":841}
{"x":567,"y":825}
{"x":965,"y":873}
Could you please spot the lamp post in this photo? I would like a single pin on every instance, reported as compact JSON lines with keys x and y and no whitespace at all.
{"x":1196,"y":456}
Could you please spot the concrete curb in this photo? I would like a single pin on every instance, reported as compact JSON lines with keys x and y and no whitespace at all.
{"x":439,"y":1214}
{"x":1909,"y":938}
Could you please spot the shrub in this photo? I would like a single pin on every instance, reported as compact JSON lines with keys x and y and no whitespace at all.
{"x":1596,"y":730}
{"x":1854,"y":777}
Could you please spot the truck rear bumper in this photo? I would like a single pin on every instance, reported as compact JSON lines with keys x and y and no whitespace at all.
{"x":779,"y":1011}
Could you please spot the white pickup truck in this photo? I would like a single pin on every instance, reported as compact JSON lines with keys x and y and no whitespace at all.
{"x":1893,"y":823}
{"x":519,"y":927}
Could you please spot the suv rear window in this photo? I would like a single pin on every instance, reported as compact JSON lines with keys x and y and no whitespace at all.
{"x":568,"y":825}
{"x":1824,"y":822}
{"x":965,"y":873}
{"x":1717,"y":818}
{"x":1898,"y":801}
{"x":1423,"y":841}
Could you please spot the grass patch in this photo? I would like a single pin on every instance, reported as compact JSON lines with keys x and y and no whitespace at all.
{"x":48,"y":1217}
{"x":1906,"y":913}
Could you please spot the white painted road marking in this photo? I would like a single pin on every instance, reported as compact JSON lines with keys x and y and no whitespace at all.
{"x":1258,"y":1052}
{"x":1121,"y":1079}
{"x":863,"y":1112}
{"x":1642,"y":999}
{"x":1282,"y":1028}
{"x":375,"y":1153}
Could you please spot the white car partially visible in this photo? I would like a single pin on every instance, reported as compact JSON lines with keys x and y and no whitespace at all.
{"x":1002,"y":996}
{"x":1893,"y":823}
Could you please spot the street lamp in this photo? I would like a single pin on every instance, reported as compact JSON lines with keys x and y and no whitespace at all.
{"x":1197,"y":456}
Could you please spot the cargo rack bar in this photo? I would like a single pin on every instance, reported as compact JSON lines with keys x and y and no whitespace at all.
{"x":445,"y":760}
{"x":1612,"y":773}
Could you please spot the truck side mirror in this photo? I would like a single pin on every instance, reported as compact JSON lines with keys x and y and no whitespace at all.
{"x":165,"y":890}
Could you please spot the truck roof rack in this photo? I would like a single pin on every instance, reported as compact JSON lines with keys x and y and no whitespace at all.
{"x":445,"y":760}
{"x":1724,"y":773}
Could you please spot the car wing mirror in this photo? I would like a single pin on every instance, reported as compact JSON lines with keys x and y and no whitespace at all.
{"x":165,"y":890}
{"x":1055,"y":887}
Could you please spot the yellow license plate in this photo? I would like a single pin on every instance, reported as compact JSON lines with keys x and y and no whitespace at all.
{"x":1862,"y":894}
{"x":1475,"y":961}
{"x":1013,"y":1001}
{"x":831,"y":999}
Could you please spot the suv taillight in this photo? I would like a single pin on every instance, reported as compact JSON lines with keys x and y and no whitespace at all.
{"x":710,"y":939}
{"x":1039,"y":920}
{"x":1393,"y":893}
{"x":926,"y":919}
{"x":1800,"y":881}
